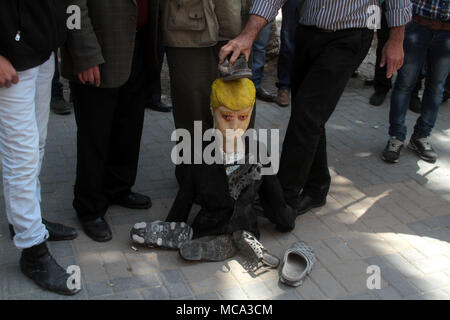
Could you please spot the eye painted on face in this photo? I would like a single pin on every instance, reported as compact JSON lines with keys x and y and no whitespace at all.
{"x":227,"y":116}
{"x":243,"y":117}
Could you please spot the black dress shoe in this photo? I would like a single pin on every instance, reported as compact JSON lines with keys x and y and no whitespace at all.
{"x":264,"y":95}
{"x":378,"y":97}
{"x":306,"y":202}
{"x":160,"y":107}
{"x":56,"y":231}
{"x":98,"y":229}
{"x":133,"y":201}
{"x":38,"y":264}
{"x":355,"y":74}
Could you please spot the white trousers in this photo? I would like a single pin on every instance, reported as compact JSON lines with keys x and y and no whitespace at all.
{"x":24,"y":112}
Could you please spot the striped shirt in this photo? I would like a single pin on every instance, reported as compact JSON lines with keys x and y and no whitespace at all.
{"x":339,"y":14}
{"x":432,"y":9}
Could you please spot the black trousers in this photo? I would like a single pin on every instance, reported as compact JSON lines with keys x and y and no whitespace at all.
{"x":323,"y":64}
{"x":381,"y":81}
{"x":110,"y":122}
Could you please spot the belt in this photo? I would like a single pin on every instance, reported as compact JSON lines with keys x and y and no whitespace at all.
{"x":432,"y":24}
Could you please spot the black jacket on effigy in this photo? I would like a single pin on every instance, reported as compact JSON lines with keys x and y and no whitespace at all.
{"x":220,"y":213}
{"x":30,"y":30}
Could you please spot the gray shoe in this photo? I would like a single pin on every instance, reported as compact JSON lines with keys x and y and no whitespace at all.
{"x":297,"y":263}
{"x":171,"y":235}
{"x":218,"y":249}
{"x":423,"y":149}
{"x":238,"y":70}
{"x":392,"y":151}
{"x":252,"y":249}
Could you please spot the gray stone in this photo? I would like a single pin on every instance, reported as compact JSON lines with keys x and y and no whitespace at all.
{"x":208,"y":296}
{"x":99,"y":288}
{"x":175,"y":284}
{"x":156,"y":293}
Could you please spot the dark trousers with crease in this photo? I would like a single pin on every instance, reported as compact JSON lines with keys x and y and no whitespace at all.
{"x":323,"y":64}
{"x":110,"y":123}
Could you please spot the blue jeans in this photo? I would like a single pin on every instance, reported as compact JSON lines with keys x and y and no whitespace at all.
{"x":422,"y":45}
{"x":287,"y":48}
{"x":259,"y":55}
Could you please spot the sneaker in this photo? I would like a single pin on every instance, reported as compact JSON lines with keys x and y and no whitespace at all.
{"x":219,"y":248}
{"x":423,"y":149}
{"x":59,"y":106}
{"x":170,"y":235}
{"x":238,"y":70}
{"x":392,"y":151}
{"x":283,"y":98}
{"x":250,"y":247}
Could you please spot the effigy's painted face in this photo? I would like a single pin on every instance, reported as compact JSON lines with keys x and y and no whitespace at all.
{"x":232,"y":124}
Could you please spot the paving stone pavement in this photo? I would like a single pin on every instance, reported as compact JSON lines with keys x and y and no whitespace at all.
{"x":395,"y":217}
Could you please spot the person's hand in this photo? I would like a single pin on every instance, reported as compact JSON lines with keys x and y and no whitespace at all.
{"x":393,"y":54}
{"x":91,"y":75}
{"x":8,"y":75}
{"x":242,"y":44}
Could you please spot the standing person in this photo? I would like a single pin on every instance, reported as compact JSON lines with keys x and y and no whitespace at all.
{"x":154,"y":102}
{"x":331,"y":42}
{"x":259,"y":60}
{"x":427,"y":40}
{"x":58,"y":105}
{"x":26,"y":71}
{"x":107,"y":63}
{"x":193,"y":40}
{"x":382,"y":83}
{"x":289,"y":24}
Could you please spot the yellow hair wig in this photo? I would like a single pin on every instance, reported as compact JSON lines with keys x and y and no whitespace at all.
{"x":236,"y":94}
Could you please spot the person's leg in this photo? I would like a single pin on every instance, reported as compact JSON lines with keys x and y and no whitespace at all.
{"x":287,"y":47}
{"x":126,"y":132}
{"x":42,"y":101}
{"x":382,"y":84}
{"x":94,"y":113}
{"x":438,"y":66}
{"x":58,"y":104}
{"x":57,"y":87}
{"x":417,"y":39}
{"x":333,"y":57}
{"x":191,"y":99}
{"x":259,"y":55}
{"x":19,"y":145}
{"x":447,"y":90}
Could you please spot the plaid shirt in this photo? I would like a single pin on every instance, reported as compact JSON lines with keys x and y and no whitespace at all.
{"x":432,"y":9}
{"x":338,"y":14}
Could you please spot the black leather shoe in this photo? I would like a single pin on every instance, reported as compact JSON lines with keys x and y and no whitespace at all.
{"x":306,"y":202}
{"x":355,"y":74}
{"x":378,"y":97}
{"x":38,"y":264}
{"x":264,"y":95}
{"x":56,"y":231}
{"x":160,"y":107}
{"x":98,"y":229}
{"x":133,"y":201}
